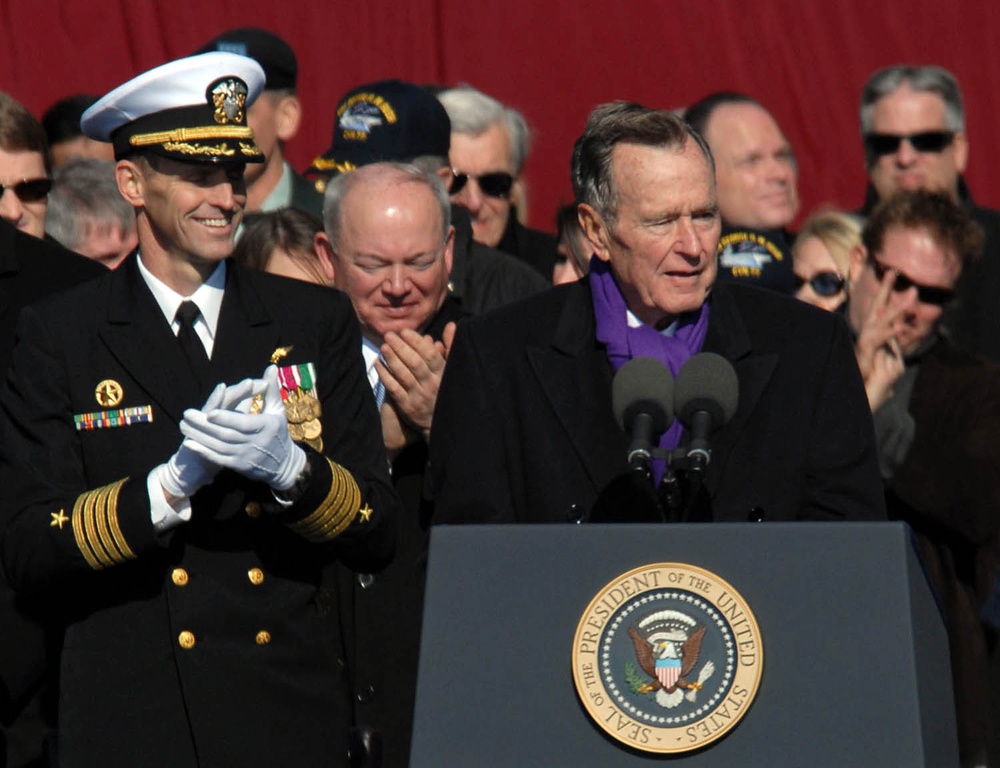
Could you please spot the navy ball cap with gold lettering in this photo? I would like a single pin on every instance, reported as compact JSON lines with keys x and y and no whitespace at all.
{"x":193,"y":110}
{"x":389,"y":120}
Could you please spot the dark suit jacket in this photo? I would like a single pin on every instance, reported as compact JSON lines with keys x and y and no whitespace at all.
{"x":30,"y":268}
{"x":131,"y":691}
{"x":948,"y":490}
{"x":483,"y":278}
{"x":384,"y":646}
{"x":532,"y":246}
{"x":524,"y":432}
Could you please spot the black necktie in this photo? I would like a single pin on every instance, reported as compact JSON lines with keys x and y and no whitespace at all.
{"x":194,"y":350}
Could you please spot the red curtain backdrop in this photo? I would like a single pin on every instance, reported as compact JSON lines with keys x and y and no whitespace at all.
{"x":554,"y":60}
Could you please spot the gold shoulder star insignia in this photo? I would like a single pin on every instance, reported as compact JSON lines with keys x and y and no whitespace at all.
{"x":365,"y":513}
{"x":58,"y":518}
{"x":279,"y":353}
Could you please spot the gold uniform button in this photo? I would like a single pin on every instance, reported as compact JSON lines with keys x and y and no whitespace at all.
{"x":263,"y":637}
{"x":253,"y":509}
{"x":186,"y":640}
{"x":256,"y":576}
{"x":179,"y":576}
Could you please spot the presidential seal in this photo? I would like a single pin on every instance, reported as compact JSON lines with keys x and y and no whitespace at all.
{"x":667,"y":658}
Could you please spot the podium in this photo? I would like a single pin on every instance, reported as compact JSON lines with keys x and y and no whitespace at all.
{"x":855,"y":665}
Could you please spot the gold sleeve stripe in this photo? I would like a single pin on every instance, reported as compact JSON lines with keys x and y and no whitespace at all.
{"x":191,"y":134}
{"x":96,"y":529}
{"x":79,"y":534}
{"x":336,"y":512}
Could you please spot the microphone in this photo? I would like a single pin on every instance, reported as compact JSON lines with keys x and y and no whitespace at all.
{"x":705,"y":397}
{"x":642,"y":398}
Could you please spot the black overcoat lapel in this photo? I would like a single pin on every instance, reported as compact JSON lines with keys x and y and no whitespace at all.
{"x":728,"y":336}
{"x":575,"y":377}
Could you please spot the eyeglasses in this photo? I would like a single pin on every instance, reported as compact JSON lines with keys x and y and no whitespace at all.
{"x":822,"y":283}
{"x":496,"y":184}
{"x":925,"y":294}
{"x":881,"y":144}
{"x":28,"y":190}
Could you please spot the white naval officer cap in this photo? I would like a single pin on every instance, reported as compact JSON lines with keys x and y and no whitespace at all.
{"x":192,"y":109}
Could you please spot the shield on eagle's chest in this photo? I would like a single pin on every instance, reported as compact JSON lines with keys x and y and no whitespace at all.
{"x":668,"y":671}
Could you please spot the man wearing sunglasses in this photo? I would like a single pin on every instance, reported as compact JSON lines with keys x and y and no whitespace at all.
{"x":937,"y":414}
{"x":489,"y":144}
{"x":913,"y":129}
{"x":24,"y":168}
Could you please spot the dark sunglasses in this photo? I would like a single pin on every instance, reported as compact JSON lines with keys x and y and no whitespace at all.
{"x":28,"y":190}
{"x":925,"y":293}
{"x":880,"y":144}
{"x":822,"y":283}
{"x":493,"y":184}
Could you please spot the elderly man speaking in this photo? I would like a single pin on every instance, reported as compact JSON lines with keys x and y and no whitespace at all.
{"x":524,"y":430}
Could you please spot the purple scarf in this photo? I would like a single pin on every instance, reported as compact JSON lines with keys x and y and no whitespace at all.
{"x":624,"y":342}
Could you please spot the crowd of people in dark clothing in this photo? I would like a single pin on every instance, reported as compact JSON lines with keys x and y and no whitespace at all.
{"x":415,"y":214}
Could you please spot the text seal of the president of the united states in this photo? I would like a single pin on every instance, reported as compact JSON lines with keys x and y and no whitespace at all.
{"x":667,"y":658}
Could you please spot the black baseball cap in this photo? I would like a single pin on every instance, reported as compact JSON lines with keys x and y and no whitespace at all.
{"x":390,"y":120}
{"x":277,"y":58}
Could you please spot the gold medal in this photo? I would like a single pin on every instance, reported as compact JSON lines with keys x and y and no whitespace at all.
{"x":295,"y":430}
{"x":295,"y":410}
{"x":311,"y":407}
{"x":312,"y":429}
{"x":316,"y":445}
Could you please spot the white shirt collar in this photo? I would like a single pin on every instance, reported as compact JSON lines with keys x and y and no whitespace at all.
{"x":208,"y":297}
{"x":371,"y":353}
{"x":635,"y":322}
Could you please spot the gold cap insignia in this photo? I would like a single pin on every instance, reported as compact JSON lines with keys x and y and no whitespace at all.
{"x":228,"y":97}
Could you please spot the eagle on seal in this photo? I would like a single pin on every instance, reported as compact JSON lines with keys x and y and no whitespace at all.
{"x":669,"y":674}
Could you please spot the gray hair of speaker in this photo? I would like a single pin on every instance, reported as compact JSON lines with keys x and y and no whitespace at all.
{"x":341,"y":185}
{"x":84,"y":194}
{"x":472,"y":112}
{"x":923,"y":79}
{"x":622,"y":122}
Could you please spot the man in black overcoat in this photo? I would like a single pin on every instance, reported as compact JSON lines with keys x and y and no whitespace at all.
{"x":524,"y":430}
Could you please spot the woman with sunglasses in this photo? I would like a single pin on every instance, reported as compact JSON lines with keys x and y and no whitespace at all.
{"x":821,"y":255}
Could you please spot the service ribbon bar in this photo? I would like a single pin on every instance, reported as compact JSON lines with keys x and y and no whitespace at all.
{"x":120,"y":417}
{"x":297,"y":377}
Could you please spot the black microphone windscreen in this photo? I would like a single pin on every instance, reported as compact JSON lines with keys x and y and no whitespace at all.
{"x":706,"y":382}
{"x":643,"y":385}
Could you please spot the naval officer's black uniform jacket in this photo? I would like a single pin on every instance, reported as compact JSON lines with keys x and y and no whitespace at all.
{"x":214,"y":644}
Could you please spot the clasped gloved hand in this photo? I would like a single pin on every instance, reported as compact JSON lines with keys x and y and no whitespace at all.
{"x":255,"y":445}
{"x":187,"y":471}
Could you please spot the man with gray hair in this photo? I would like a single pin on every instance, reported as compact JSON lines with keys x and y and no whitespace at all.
{"x":489,"y":144}
{"x":913,"y":127}
{"x":535,"y":379}
{"x":87,"y":214}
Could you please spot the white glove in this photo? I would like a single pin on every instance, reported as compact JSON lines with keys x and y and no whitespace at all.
{"x":185,"y":472}
{"x":256,"y":446}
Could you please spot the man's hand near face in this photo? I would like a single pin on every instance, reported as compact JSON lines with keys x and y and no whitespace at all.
{"x":879,"y":355}
{"x":411,"y":370}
